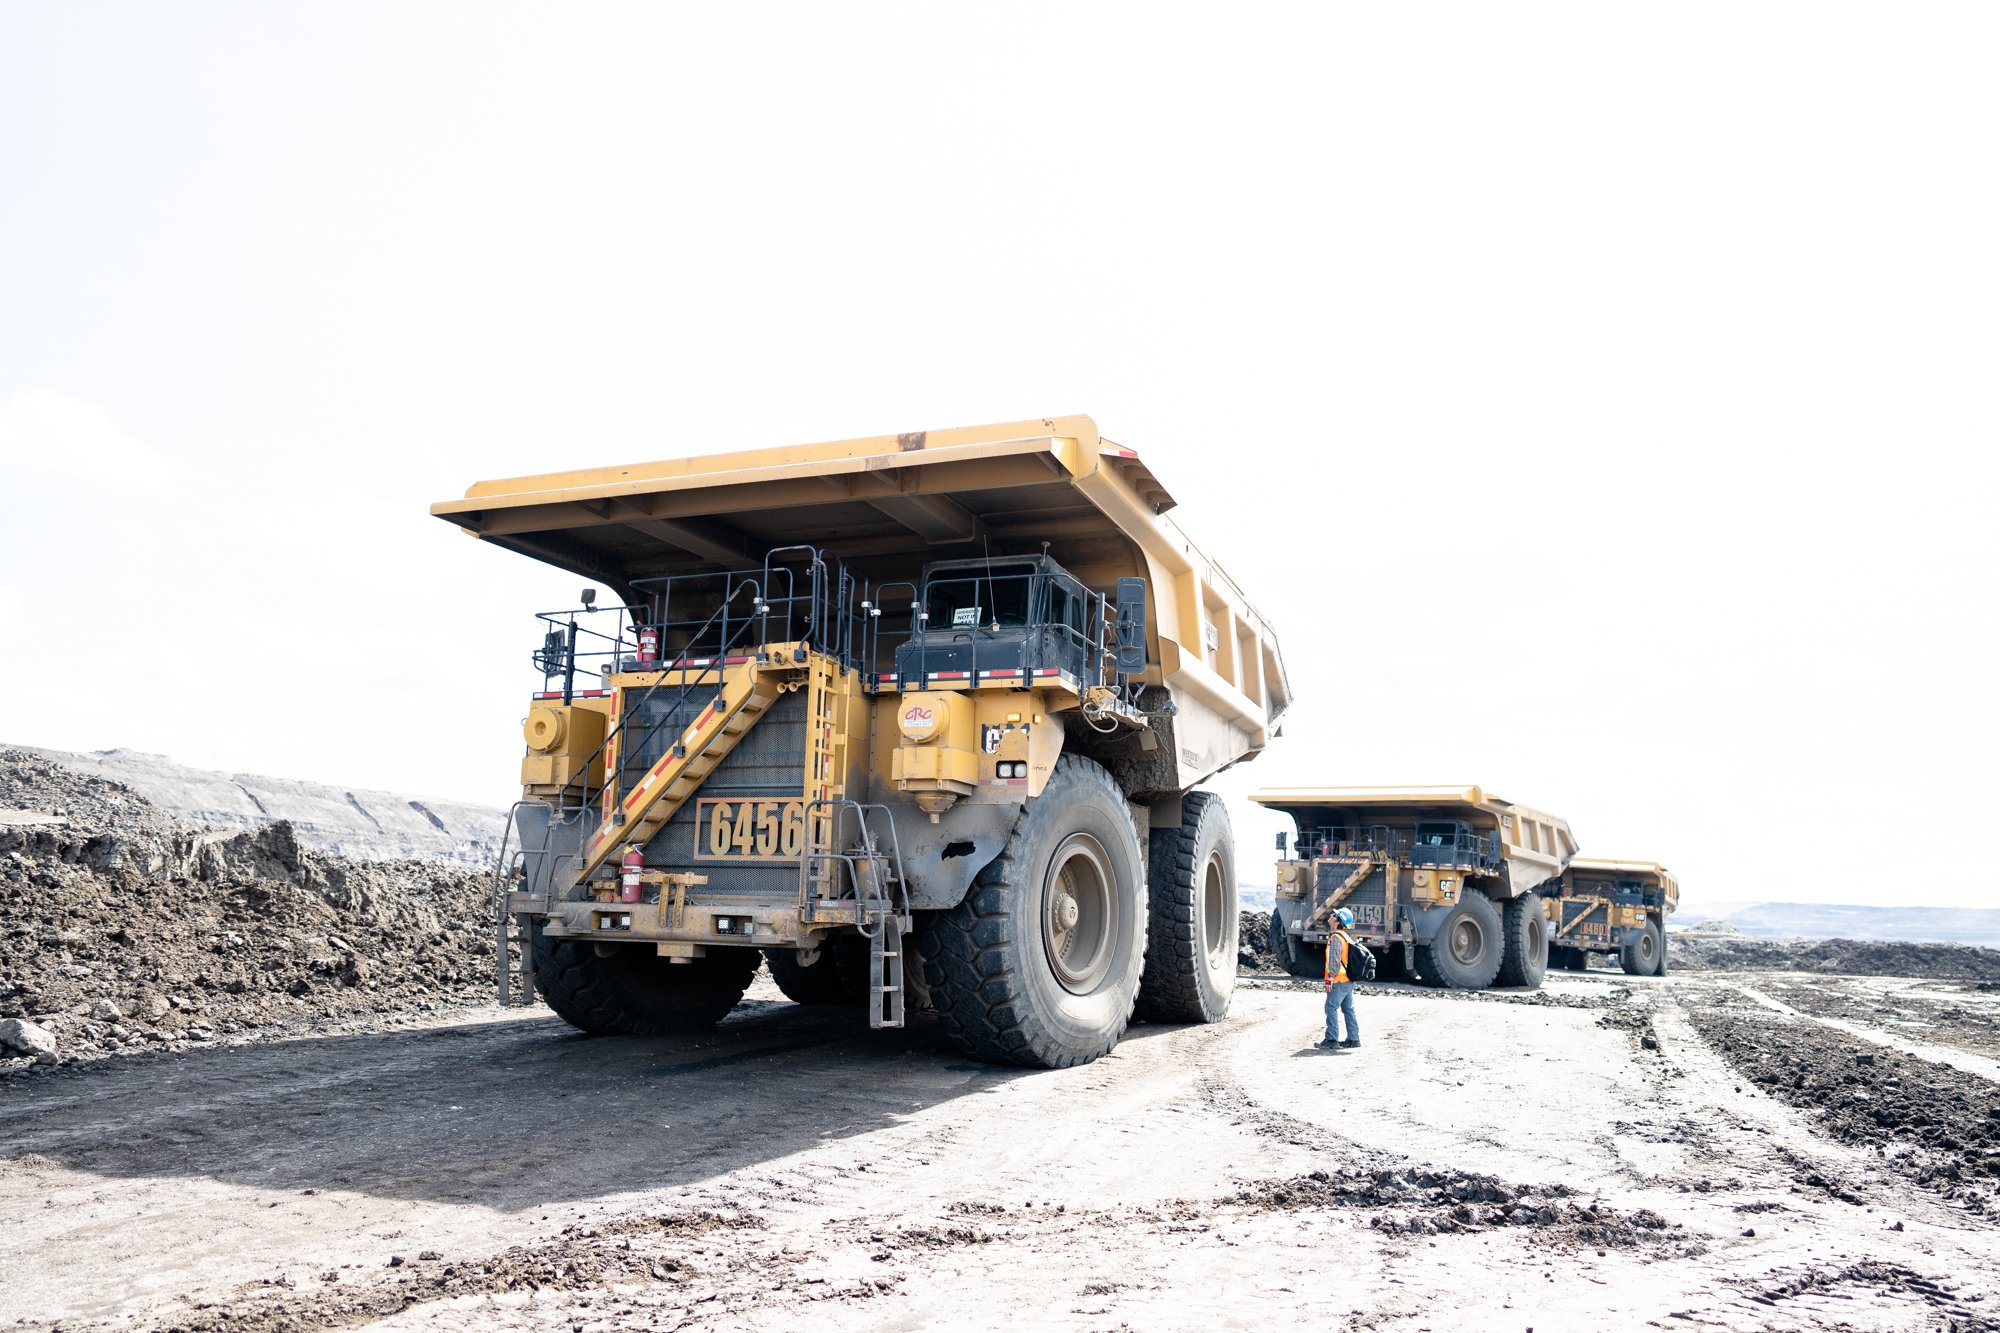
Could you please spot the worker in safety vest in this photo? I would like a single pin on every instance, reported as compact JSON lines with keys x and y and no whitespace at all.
{"x":1339,"y":990}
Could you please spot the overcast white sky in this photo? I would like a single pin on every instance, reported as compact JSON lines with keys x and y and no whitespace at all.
{"x":1601,"y":399}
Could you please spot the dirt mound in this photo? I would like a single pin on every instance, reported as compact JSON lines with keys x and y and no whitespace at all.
{"x":1940,"y":1125}
{"x":1253,"y":943}
{"x":1416,"y":1200}
{"x":1875,"y":958}
{"x":632,"y":1252}
{"x":121,"y":929}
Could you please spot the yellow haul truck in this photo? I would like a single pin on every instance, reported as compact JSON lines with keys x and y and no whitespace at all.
{"x":1613,"y":907}
{"x":951,"y":688}
{"x":1453,"y":878}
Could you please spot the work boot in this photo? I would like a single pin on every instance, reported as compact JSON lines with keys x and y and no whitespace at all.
{"x":1351,"y":1042}
{"x":1328,"y":1045}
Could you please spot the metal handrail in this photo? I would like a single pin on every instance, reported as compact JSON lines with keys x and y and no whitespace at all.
{"x":1091,"y":642}
{"x":632,"y":709}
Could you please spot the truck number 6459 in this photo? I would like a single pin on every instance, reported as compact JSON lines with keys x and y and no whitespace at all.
{"x":767,"y":830}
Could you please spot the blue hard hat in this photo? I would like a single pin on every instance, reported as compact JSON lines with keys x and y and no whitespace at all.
{"x":1344,"y":917}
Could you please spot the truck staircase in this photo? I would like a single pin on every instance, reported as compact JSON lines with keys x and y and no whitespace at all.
{"x":747,"y":693}
{"x":879,"y":906}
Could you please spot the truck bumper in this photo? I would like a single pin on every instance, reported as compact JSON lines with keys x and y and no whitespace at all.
{"x":686,"y":929}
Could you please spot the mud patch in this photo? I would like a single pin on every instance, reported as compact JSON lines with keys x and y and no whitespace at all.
{"x":1943,"y":1300}
{"x":1418,"y":1201}
{"x":1930,"y":1123}
{"x":638,"y":1252}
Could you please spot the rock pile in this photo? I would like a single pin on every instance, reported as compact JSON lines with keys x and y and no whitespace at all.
{"x":1253,"y":943}
{"x":1873,"y":958}
{"x":121,"y":929}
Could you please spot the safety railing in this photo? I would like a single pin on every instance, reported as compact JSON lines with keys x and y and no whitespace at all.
{"x":1468,"y":848}
{"x":1021,"y":622}
{"x":684,"y":633}
{"x":1464,"y":848}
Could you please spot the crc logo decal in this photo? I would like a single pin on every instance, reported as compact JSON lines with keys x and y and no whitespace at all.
{"x":989,"y":739}
{"x":922,"y":719}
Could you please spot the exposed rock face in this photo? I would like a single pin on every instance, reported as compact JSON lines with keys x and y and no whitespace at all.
{"x":355,"y":823}
{"x":121,"y":928}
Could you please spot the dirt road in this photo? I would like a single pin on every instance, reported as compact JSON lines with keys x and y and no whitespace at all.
{"x":1586,"y":1158}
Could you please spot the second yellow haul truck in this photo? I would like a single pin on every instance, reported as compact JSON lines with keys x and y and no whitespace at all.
{"x":951,"y":690}
{"x":1447,"y":883}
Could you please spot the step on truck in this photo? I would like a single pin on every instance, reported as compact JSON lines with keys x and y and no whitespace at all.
{"x":1447,"y":884}
{"x":1613,"y":907}
{"x":948,"y":692}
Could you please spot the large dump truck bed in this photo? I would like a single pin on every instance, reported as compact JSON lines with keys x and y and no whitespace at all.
{"x":888,"y":505}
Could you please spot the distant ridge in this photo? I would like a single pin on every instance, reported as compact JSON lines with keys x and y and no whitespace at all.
{"x":1845,"y":921}
{"x":347,"y":821}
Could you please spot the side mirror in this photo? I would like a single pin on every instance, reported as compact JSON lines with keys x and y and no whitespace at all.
{"x":553,"y":659}
{"x":1281,"y":844}
{"x":1131,"y":598}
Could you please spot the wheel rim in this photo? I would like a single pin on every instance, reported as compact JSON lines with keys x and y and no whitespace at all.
{"x":1646,"y":946}
{"x":1467,"y":941}
{"x":1079,"y":914}
{"x":1214,"y":925}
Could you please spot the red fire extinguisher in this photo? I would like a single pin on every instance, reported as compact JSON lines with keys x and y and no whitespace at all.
{"x":649,"y":644}
{"x":628,"y":875}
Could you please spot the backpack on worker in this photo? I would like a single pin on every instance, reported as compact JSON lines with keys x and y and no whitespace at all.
{"x":1360,"y":961}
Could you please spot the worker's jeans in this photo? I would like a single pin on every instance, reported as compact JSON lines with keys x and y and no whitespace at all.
{"x":1340,"y":1000}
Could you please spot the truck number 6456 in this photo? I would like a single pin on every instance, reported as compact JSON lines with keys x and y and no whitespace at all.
{"x":767,"y":830}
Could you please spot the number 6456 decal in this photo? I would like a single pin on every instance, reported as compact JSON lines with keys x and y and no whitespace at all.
{"x":753,"y":830}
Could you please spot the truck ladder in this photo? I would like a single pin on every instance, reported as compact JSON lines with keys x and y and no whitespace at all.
{"x":880,"y":903}
{"x":745,"y":695}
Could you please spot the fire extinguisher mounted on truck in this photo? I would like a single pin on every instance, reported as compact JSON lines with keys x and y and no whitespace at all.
{"x":945,"y":693}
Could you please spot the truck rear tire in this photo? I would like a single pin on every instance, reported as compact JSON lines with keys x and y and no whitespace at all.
{"x":1294,"y":954}
{"x":1568,"y":959}
{"x":839,"y":976}
{"x":632,"y":991}
{"x":1191,"y":939}
{"x":1524,"y":953}
{"x":1040,"y":964}
{"x":1640,"y":954}
{"x":1465,"y":952}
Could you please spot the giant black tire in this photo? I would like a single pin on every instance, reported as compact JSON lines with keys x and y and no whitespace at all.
{"x":632,"y":991}
{"x":1294,"y":954}
{"x":1660,"y":968}
{"x":1465,"y":953}
{"x":1040,"y":964}
{"x":838,"y":976}
{"x":1641,"y":953}
{"x":1524,"y":940}
{"x":1191,"y":893}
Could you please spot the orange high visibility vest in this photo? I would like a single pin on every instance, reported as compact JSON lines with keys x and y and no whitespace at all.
{"x":1336,"y":974}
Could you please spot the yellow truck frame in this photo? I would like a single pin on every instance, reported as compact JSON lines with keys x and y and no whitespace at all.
{"x":1452,"y":878}
{"x":743,"y":755}
{"x":1613,"y":907}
